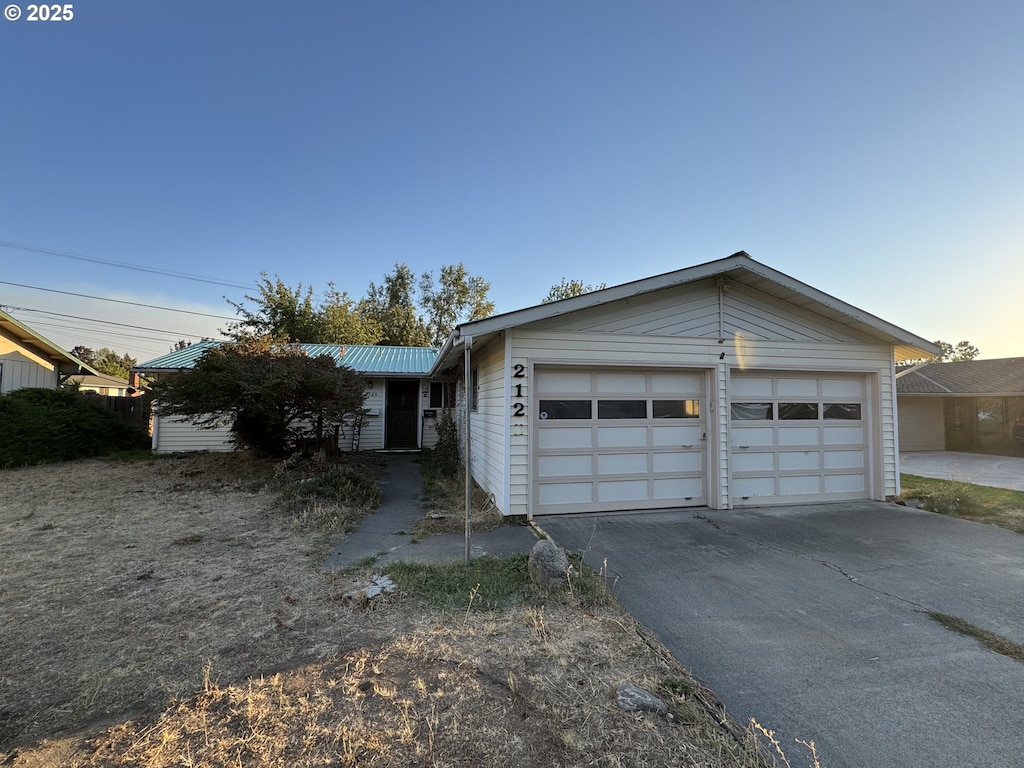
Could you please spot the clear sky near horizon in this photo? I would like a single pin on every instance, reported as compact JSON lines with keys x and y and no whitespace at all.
{"x":873,"y":150}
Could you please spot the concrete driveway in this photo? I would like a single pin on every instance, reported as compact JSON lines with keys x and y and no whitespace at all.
{"x":813,"y":620}
{"x":977,"y":468}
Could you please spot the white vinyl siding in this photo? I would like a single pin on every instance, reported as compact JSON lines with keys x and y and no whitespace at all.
{"x":174,"y":435}
{"x":922,"y":423}
{"x":488,"y":422}
{"x":23,"y":369}
{"x":693,"y":311}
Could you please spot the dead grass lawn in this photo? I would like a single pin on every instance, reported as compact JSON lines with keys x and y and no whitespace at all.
{"x":174,"y":612}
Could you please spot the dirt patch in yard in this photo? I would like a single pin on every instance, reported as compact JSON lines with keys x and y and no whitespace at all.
{"x":174,"y":611}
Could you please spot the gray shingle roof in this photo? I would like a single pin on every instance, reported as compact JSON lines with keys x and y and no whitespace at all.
{"x":368,"y":360}
{"x":973,"y":377}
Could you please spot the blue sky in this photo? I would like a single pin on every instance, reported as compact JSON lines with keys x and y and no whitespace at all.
{"x":873,"y":150}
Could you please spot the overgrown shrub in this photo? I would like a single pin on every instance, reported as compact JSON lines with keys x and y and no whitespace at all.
{"x":954,"y":498}
{"x":39,"y":426}
{"x":445,"y":453}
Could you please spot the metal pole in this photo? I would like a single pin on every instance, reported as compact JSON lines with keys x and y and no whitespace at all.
{"x":467,"y":353}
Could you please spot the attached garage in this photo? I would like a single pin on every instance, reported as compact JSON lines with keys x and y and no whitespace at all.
{"x":726,"y":384}
{"x":799,"y":438}
{"x":609,"y":438}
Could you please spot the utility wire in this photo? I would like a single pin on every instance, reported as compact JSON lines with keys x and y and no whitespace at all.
{"x":123,"y":265}
{"x":118,"y":301}
{"x":105,"y":322}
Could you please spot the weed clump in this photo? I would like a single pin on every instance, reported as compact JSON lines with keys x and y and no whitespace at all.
{"x":343,"y":485}
{"x":954,"y":498}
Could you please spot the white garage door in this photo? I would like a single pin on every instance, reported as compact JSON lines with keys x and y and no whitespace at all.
{"x":618,"y":439}
{"x":797,"y":439}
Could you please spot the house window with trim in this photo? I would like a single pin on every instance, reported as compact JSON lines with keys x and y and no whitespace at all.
{"x":474,"y":389}
{"x":442,"y":394}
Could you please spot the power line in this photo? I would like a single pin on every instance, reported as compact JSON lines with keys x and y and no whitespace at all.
{"x":123,"y":265}
{"x":118,"y":301}
{"x":105,"y":322}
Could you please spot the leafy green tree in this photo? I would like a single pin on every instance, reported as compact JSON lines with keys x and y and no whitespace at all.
{"x":273,"y":394}
{"x":281,"y":312}
{"x":948,"y":353}
{"x":85,"y":354}
{"x":961,"y":352}
{"x":109,"y":362}
{"x":293,"y":315}
{"x":393,"y":306}
{"x":569,"y":288}
{"x":457,"y":297}
{"x":106,"y":360}
{"x":346,"y":321}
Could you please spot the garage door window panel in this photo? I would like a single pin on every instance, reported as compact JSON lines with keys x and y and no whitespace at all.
{"x":565,"y":409}
{"x":798,"y":411}
{"x":675,"y":409}
{"x":621,"y":409}
{"x":752,"y":411}
{"x":842,"y":411}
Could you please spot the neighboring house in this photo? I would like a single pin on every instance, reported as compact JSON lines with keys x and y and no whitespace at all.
{"x":402,"y":406}
{"x":103,"y":384}
{"x":963,"y":406}
{"x":725,"y":384}
{"x":27,"y":359}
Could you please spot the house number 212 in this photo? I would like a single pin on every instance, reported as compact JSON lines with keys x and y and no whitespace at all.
{"x":518,"y":372}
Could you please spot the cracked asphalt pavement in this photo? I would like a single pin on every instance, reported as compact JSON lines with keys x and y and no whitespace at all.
{"x":813,"y":619}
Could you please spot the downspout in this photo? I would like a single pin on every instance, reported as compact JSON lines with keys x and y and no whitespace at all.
{"x":467,"y":345}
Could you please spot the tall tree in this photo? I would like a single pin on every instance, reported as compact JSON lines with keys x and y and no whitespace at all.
{"x":85,"y":354}
{"x":393,"y":306}
{"x":457,"y":297}
{"x":347,"y":322}
{"x":105,"y":360}
{"x":569,"y":288}
{"x":281,"y":312}
{"x":292,"y":314}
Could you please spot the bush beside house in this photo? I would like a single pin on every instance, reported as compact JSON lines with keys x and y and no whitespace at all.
{"x":39,"y":426}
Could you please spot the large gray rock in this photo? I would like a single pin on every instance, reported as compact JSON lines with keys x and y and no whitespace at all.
{"x":633,"y":698}
{"x":549,"y":565}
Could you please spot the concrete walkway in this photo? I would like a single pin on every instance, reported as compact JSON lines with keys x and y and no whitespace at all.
{"x":977,"y":468}
{"x":387,"y":534}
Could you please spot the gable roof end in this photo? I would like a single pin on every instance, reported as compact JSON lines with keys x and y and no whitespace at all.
{"x":66,"y":363}
{"x":739,"y":266}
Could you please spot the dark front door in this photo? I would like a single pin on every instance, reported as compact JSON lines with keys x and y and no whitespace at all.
{"x":402,"y":407}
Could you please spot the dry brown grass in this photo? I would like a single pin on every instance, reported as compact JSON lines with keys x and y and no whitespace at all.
{"x":173,"y":613}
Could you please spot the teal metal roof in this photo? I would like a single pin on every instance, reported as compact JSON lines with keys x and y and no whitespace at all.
{"x":368,"y":360}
